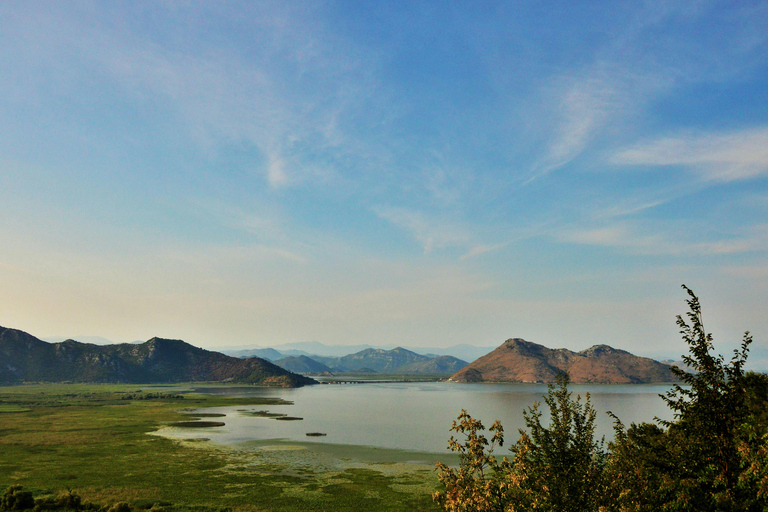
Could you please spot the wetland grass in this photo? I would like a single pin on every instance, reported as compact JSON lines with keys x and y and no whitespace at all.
{"x":272,"y":415}
{"x":197,"y":424}
{"x":264,"y":414}
{"x":12,"y":408}
{"x":89,"y":439}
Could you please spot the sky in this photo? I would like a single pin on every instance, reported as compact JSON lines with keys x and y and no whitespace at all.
{"x":389,"y":173}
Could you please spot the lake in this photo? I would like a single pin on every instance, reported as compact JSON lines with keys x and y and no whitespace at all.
{"x":409,"y":416}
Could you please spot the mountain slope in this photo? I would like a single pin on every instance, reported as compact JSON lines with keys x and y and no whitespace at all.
{"x":302,"y":364}
{"x":26,"y":358}
{"x":269,"y":354}
{"x":397,"y":360}
{"x":382,"y":361}
{"x":435,"y":365}
{"x":517,"y":360}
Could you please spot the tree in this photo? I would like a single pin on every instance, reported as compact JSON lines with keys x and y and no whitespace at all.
{"x":563,"y":462}
{"x":482,"y":483}
{"x":710,"y":409}
{"x":554,"y":468}
{"x":712,"y":455}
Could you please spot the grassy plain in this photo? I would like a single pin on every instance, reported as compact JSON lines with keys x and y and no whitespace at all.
{"x":93,"y":440}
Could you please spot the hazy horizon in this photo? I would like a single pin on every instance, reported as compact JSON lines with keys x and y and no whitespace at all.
{"x":386,"y":174}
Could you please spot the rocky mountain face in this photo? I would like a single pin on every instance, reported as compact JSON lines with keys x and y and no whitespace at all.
{"x":517,"y":360}
{"x":26,"y":358}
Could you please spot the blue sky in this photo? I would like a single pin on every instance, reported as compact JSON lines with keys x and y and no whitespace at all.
{"x":391,"y":173}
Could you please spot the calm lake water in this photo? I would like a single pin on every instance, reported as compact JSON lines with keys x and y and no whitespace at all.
{"x":410,"y":416}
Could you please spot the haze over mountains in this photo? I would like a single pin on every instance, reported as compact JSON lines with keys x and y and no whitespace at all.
{"x":24,"y":357}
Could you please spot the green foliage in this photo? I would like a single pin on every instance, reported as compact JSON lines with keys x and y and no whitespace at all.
{"x":120,"y":507}
{"x":140,"y":395}
{"x":482,"y":482}
{"x":711,"y":408}
{"x":638,"y":469}
{"x":555,"y":468}
{"x":563,"y":462}
{"x":16,"y":499}
{"x":712,"y":455}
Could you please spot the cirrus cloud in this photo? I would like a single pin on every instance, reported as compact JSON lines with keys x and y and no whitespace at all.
{"x":720,"y":157}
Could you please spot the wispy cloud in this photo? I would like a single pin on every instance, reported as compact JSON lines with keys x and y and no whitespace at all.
{"x":585,"y":104}
{"x":648,"y":59}
{"x":293,"y":96}
{"x":752,"y":239}
{"x":431,"y":233}
{"x":442,"y":186}
{"x":276,"y":172}
{"x":714,"y":156}
{"x":618,"y":235}
{"x":628,"y":209}
{"x":658,"y":239}
{"x":482,"y":249}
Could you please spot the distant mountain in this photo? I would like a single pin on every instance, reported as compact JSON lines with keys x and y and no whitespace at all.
{"x":26,"y":358}
{"x":517,"y":360}
{"x":302,"y":364}
{"x":269,"y":354}
{"x":364,"y":371}
{"x":95,"y":340}
{"x":397,"y":360}
{"x":378,"y":360}
{"x":436,"y":365}
{"x":463,"y":352}
{"x":317,"y":348}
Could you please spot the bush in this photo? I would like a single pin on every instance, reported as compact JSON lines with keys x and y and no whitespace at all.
{"x":16,"y":499}
{"x":557,"y":468}
{"x":563,"y":463}
{"x":120,"y":507}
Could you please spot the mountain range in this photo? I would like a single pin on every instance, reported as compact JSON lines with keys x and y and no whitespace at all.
{"x":25,"y":358}
{"x":462,"y":351}
{"x":517,"y":360}
{"x":372,"y":360}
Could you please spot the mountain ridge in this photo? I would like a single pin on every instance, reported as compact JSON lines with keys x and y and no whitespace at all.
{"x":518,"y":360}
{"x":26,"y":358}
{"x":397,"y":360}
{"x":462,"y":351}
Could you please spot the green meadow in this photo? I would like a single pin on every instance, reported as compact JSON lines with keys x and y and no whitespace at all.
{"x":95,"y":441}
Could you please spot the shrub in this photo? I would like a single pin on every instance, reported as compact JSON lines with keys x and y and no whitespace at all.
{"x":556,"y":468}
{"x":16,"y":499}
{"x":120,"y":507}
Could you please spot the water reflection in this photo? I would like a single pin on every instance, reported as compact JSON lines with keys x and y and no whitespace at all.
{"x":411,"y":416}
